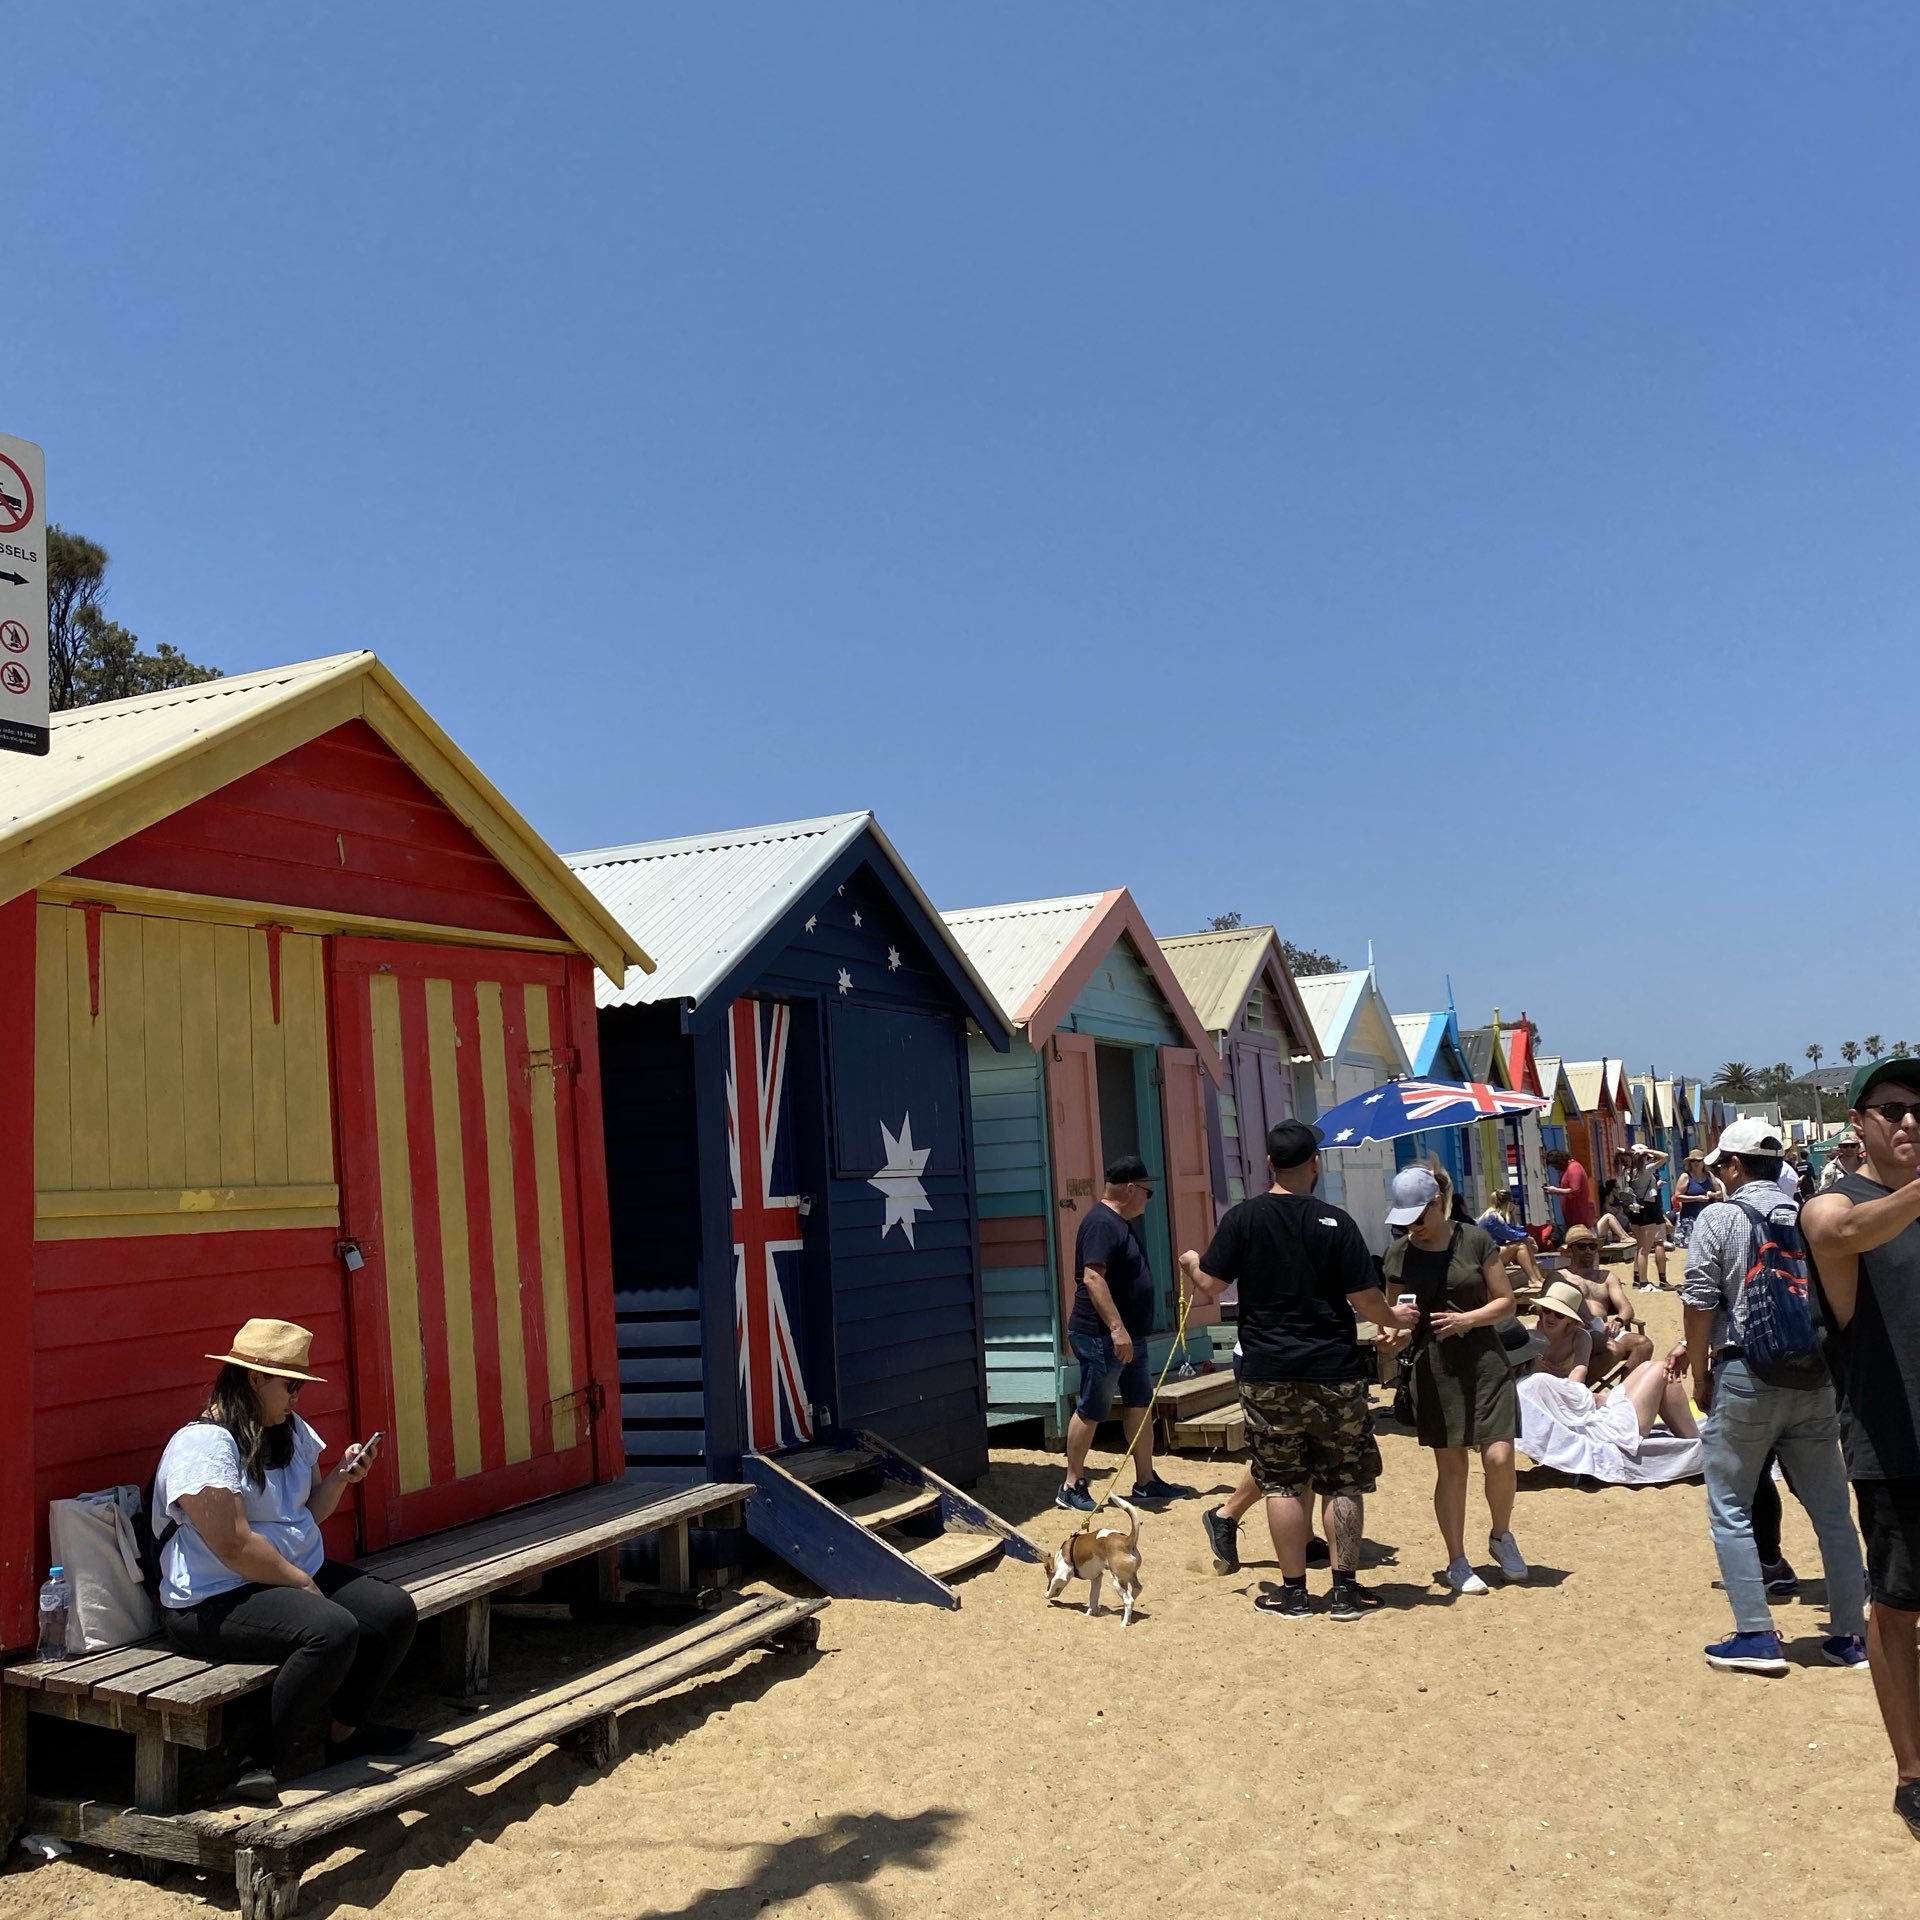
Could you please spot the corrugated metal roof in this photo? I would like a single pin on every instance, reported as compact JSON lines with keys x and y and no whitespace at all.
{"x":1013,"y":948}
{"x":118,"y":767}
{"x":712,"y":898}
{"x":708,"y":898}
{"x":1331,"y":1001}
{"x":1421,"y":1034}
{"x":95,"y":745}
{"x":1218,"y":969}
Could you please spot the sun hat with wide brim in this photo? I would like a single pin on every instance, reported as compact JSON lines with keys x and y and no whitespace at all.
{"x":272,"y":1346}
{"x":1519,"y":1345}
{"x":1565,"y":1299}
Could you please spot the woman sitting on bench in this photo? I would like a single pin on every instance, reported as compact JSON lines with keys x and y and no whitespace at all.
{"x":239,"y":1500}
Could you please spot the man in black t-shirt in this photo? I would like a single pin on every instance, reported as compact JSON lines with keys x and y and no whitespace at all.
{"x":1303,"y":1269}
{"x":1864,"y":1236}
{"x":1107,"y":1329}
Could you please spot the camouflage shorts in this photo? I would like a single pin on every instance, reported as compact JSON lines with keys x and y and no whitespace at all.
{"x":1311,"y":1435}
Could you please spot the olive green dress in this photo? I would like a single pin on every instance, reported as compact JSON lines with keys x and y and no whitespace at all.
{"x":1463,"y":1391}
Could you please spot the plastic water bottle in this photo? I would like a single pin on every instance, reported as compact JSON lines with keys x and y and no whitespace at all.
{"x":56,"y":1598}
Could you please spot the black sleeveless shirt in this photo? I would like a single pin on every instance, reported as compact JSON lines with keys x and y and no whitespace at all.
{"x":1876,"y":1357}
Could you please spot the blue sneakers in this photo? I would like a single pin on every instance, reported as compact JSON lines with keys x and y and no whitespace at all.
{"x":1845,"y":1650}
{"x":1074,"y":1495}
{"x":1748,"y":1653}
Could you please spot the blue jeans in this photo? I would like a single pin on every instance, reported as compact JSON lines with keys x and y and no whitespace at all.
{"x":1099,"y":1365}
{"x":1749,"y":1419}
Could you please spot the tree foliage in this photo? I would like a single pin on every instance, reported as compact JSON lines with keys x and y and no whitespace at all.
{"x":1872,"y":1045}
{"x":1736,"y":1081}
{"x":89,"y":657}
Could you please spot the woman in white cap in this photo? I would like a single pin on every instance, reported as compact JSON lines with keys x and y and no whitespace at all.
{"x":1463,"y":1396}
{"x":238,"y":1504}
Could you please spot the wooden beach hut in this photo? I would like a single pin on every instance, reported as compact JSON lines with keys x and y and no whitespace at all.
{"x":794,"y":1226}
{"x":1240,"y":986}
{"x":1432,"y":1043}
{"x":1360,"y":1048}
{"x":1108,"y":1058}
{"x":1526,"y":1141}
{"x":302,"y":1027}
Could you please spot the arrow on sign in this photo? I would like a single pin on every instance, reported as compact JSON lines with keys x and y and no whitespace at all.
{"x":18,"y":579}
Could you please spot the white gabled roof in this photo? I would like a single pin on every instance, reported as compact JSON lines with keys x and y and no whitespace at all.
{"x":713,"y":897}
{"x":1015,"y":947}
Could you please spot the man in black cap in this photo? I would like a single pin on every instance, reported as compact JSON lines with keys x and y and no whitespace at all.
{"x":1303,"y":1270}
{"x":1864,"y":1235}
{"x":1113,"y":1302}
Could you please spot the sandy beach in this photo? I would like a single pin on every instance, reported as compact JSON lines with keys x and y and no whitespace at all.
{"x":1560,"y":1747}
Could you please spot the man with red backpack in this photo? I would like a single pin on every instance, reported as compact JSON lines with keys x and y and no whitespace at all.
{"x":1754,"y":1350}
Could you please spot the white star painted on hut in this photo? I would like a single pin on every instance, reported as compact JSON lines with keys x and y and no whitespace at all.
{"x":899,"y":1180}
{"x":856,"y":919}
{"x":813,"y":922}
{"x":846,"y":981}
{"x":893,"y":959}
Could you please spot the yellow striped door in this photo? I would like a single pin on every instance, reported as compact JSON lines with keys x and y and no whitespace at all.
{"x":457,"y":1104}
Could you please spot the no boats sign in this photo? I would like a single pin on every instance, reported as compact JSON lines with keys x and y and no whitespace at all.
{"x":23,"y":597}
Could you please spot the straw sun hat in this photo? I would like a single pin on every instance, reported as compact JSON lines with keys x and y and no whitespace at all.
{"x":1565,"y":1299}
{"x":271,"y":1346}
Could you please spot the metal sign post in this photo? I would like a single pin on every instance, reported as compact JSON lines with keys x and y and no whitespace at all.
{"x":23,"y":597}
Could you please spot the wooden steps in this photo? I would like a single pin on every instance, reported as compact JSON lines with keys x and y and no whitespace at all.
{"x":1216,"y":1430}
{"x":265,"y":1847}
{"x":864,"y":1521}
{"x":948,"y":1554}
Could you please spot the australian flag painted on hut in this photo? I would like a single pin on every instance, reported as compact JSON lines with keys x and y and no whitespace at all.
{"x":790,"y":1151}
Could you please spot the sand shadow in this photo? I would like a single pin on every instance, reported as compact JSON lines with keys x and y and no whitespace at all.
{"x":851,"y":1850}
{"x":1022,"y":1492}
{"x":458,"y":1817}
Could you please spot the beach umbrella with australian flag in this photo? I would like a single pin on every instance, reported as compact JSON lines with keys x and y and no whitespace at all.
{"x":1418,"y":1106}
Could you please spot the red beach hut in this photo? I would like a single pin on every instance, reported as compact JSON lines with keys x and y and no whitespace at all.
{"x":298,"y":1020}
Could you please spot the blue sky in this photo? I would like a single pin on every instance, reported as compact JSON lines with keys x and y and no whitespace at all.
{"x":1388,"y":470}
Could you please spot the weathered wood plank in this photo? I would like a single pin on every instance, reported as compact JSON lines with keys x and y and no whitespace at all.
{"x":499,"y":1741}
{"x":156,"y":1772}
{"x":466,"y":1648}
{"x":13,"y":1765}
{"x":947,"y":1554}
{"x":201,"y":1840}
{"x":134,"y":1685}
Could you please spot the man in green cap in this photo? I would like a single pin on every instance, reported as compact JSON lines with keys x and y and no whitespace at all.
{"x":1864,"y":1236}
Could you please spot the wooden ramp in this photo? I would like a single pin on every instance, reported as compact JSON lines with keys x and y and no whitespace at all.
{"x":864,"y":1521}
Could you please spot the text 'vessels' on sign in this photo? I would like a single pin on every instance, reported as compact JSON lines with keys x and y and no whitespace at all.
{"x":23,"y":597}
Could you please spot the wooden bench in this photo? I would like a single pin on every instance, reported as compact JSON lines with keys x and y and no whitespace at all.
{"x":168,"y":1702}
{"x":267,"y":1848}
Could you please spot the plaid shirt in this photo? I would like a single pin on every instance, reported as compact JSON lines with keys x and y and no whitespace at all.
{"x":1717,"y":1257}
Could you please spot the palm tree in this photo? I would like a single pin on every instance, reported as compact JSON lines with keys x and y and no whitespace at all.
{"x":1813,"y":1053}
{"x":1872,"y":1045}
{"x":1902,"y":1051}
{"x":1816,"y":1053}
{"x":1849,"y":1051}
{"x":1736,"y":1081}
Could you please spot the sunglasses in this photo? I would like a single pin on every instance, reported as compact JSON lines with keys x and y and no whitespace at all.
{"x":1895,"y":1111}
{"x":1145,"y":1186}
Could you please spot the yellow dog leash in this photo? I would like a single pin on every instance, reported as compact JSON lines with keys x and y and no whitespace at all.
{"x":1126,"y":1451}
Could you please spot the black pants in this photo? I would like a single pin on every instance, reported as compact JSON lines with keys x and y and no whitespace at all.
{"x":1765,"y":1508}
{"x":337,"y":1648}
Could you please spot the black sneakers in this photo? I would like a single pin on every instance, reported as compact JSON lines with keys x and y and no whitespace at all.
{"x":1290,"y":1603}
{"x":1906,"y":1803}
{"x":1075,"y":1497}
{"x":1223,"y":1537}
{"x":1351,"y":1601}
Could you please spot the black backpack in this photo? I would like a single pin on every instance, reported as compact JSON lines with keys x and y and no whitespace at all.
{"x":1779,"y":1336}
{"x":149,"y":1544}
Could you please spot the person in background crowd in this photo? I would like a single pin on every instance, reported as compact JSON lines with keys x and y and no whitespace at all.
{"x":1463,"y":1393}
{"x":1303,"y":1271}
{"x":1638,"y":1170}
{"x":1513,"y":1240}
{"x":1864,"y":1237}
{"x":1575,"y":1189}
{"x":1695,"y":1188}
{"x":1793,"y":1176}
{"x":1848,"y":1157}
{"x":1619,"y":1338}
{"x":1612,"y":1227}
{"x":1750,"y":1418}
{"x":1113,"y":1304}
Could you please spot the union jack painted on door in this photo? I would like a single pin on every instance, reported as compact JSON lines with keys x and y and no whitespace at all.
{"x":767,"y":1275}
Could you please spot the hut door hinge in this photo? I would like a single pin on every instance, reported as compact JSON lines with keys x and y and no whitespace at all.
{"x":554,"y":1059}
{"x":590,"y":1400}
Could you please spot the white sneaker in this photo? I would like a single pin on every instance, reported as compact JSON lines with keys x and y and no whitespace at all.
{"x":1506,"y":1550}
{"x":1462,"y":1578}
